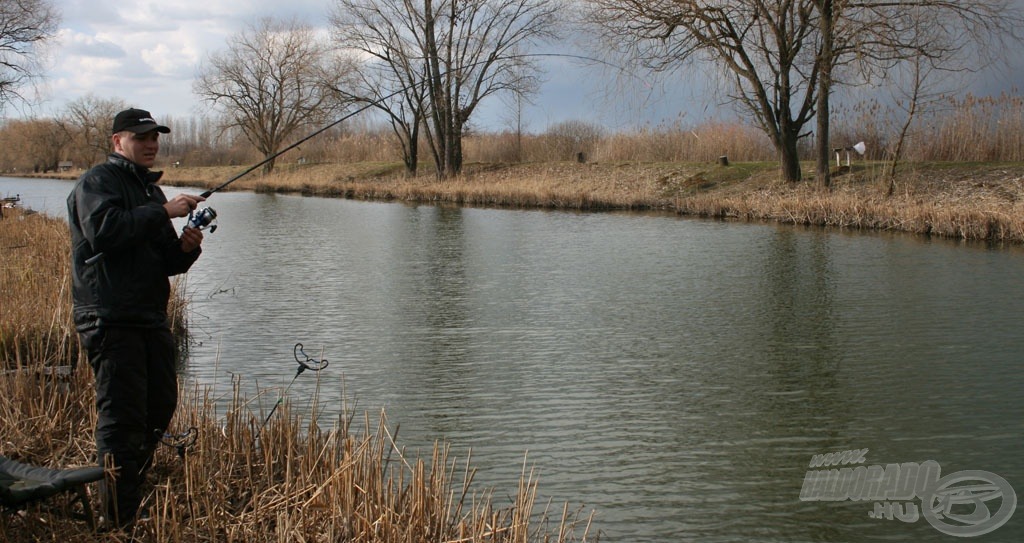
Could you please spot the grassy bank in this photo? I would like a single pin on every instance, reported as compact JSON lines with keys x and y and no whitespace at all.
{"x":975,"y":201}
{"x":299,"y":478}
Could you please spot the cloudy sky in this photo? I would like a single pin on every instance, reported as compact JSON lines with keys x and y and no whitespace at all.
{"x":147,"y":52}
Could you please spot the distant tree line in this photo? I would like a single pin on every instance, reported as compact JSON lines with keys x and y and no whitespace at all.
{"x":955,"y":129}
{"x":80,"y":137}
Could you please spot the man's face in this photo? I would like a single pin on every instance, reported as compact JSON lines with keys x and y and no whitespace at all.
{"x":139,"y":148}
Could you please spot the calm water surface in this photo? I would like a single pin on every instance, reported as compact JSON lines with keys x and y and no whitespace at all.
{"x":673,"y":376}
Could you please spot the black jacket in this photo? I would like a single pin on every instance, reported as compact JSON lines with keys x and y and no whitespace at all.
{"x":116,"y":209}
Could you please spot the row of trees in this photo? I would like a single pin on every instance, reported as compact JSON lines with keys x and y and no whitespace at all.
{"x":952,"y":129}
{"x":80,"y":135}
{"x":426,"y":65}
{"x":780,"y":60}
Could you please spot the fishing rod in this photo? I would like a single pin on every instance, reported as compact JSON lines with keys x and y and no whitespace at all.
{"x":204,"y":218}
{"x":305,"y":363}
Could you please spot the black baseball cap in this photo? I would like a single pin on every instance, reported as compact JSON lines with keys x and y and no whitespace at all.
{"x":139,"y":121}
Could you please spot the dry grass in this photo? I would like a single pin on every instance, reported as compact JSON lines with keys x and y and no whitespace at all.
{"x":561,"y":185}
{"x":35,"y":279}
{"x":292,"y":480}
{"x":969,"y":202}
{"x":976,"y":201}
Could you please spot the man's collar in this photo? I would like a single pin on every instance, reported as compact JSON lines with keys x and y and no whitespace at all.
{"x":142,"y":172}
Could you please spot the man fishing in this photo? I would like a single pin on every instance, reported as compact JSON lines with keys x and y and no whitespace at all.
{"x":124,"y":248}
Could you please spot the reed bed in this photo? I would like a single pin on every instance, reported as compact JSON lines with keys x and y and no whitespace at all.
{"x":36,"y":325}
{"x":290,"y":478}
{"x":969,"y":203}
{"x":556,"y":185}
{"x":35,"y":279}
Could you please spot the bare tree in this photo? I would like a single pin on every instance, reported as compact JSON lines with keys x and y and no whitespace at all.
{"x":764,"y":47}
{"x":436,"y":61}
{"x":569,"y":140}
{"x":274,"y":79}
{"x":473,"y":49}
{"x":862,"y":40}
{"x":516,"y":100}
{"x":392,"y":77}
{"x":87,"y":123}
{"x":25,"y":27}
{"x":783,"y":58}
{"x":919,"y":90}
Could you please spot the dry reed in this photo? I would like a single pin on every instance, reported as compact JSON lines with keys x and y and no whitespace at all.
{"x":288,"y":480}
{"x":35,"y":324}
{"x":969,"y":203}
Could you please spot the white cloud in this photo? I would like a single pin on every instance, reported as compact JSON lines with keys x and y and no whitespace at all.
{"x":168,"y":61}
{"x":147,"y":51}
{"x":77,"y":44}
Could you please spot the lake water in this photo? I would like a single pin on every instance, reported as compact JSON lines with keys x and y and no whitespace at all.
{"x":674,"y":376}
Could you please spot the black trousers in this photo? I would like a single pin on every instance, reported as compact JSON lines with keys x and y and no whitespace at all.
{"x":136,"y":395}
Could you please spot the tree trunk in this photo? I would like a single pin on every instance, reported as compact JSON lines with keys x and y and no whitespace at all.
{"x":409,"y":137}
{"x":454,"y":166}
{"x":438,"y":107}
{"x":824,"y":150}
{"x":789,"y":158}
{"x":786,"y":139}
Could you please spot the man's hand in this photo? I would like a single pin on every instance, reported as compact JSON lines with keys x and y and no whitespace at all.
{"x":182,"y":204}
{"x":191,"y":238}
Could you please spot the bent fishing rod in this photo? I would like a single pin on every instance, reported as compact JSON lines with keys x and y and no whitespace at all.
{"x":203,"y":218}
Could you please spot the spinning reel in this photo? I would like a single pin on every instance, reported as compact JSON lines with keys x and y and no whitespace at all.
{"x":202,"y":219}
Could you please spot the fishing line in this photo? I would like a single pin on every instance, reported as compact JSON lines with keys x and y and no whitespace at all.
{"x":305,"y":363}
